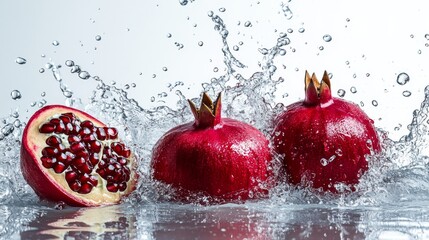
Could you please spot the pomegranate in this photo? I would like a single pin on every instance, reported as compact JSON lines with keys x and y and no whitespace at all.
{"x":221,"y":158}
{"x":69,"y":156}
{"x":324,"y":140}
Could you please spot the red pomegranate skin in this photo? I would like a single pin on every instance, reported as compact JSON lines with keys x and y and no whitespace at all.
{"x":43,"y":184}
{"x":225,"y":159}
{"x":324,"y":140}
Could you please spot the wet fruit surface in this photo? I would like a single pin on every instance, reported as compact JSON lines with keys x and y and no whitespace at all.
{"x":69,"y":156}
{"x":220,"y":158}
{"x":324,"y":140}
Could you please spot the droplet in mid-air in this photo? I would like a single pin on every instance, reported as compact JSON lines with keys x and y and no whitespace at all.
{"x":55,"y":43}
{"x":20,"y":60}
{"x":15,"y":94}
{"x":341,"y":93}
{"x":402,"y":78}
{"x":69,"y":63}
{"x":301,"y":30}
{"x":183,"y":2}
{"x":98,"y":38}
{"x":200,"y":43}
{"x":374,"y":103}
{"x":327,"y":38}
{"x":406,"y":93}
{"x":84,"y":75}
{"x":353,"y":90}
{"x":41,"y":70}
{"x":247,"y":24}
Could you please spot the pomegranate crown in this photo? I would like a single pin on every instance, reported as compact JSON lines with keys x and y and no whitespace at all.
{"x":209,"y":113}
{"x":317,"y":92}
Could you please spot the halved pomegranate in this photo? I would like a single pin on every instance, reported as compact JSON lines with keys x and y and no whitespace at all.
{"x":69,"y":156}
{"x":221,"y":158}
{"x":324,"y":140}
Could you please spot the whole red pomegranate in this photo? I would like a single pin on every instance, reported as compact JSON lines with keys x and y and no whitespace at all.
{"x":69,"y":156}
{"x":324,"y":140}
{"x":219,"y":157}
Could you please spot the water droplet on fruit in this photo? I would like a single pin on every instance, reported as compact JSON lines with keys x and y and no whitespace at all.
{"x":406,"y":93}
{"x":15,"y":94}
{"x":327,"y":38}
{"x":341,"y":93}
{"x":403,"y":78}
{"x":98,"y":38}
{"x":324,"y":162}
{"x":20,"y":60}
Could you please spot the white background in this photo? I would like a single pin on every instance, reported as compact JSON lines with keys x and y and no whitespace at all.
{"x":381,"y":40}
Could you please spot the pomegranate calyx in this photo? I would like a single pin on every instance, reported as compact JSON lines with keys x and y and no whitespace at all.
{"x":209,"y":113}
{"x":317,"y":92}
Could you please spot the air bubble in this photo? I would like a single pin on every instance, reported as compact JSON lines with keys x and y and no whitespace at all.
{"x":15,"y":94}
{"x":327,"y":38}
{"x":406,"y":93}
{"x":98,"y":38}
{"x":374,"y":103}
{"x":84,"y":75}
{"x":20,"y":60}
{"x":341,"y":93}
{"x":55,"y":43}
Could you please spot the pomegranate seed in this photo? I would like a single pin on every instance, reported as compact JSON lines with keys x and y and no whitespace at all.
{"x":55,"y":121}
{"x":107,"y":151}
{"x":53,"y":141}
{"x":122,"y":186}
{"x":73,"y":139}
{"x":47,"y":128}
{"x":86,"y":188}
{"x":77,"y":147}
{"x":87,"y":124}
{"x":48,"y":162}
{"x":69,"y":129}
{"x":93,"y":180}
{"x":122,"y":161}
{"x":75,"y":185}
{"x":60,"y":127}
{"x":62,"y":157}
{"x":102,"y":173}
{"x":95,"y":146}
{"x":70,"y":157}
{"x":65,"y":119}
{"x":84,"y":153}
{"x":84,"y":131}
{"x":71,"y":176}
{"x":94,"y":158}
{"x":112,"y":187}
{"x":86,"y":168}
{"x":49,"y":151}
{"x":79,"y":162}
{"x":101,"y":134}
{"x":89,"y":138}
{"x":117,"y":147}
{"x":126,"y":152}
{"x":76,"y":129}
{"x":112,"y":133}
{"x":59,"y":167}
{"x":71,"y":116}
{"x":84,"y":178}
{"x":102,"y":164}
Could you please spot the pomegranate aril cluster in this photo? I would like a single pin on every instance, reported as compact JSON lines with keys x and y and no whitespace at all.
{"x":88,"y":148}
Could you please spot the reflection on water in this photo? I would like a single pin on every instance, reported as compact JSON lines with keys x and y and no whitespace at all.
{"x":231,"y":221}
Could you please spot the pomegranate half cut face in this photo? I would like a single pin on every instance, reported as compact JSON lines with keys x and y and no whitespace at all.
{"x":67,"y":155}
